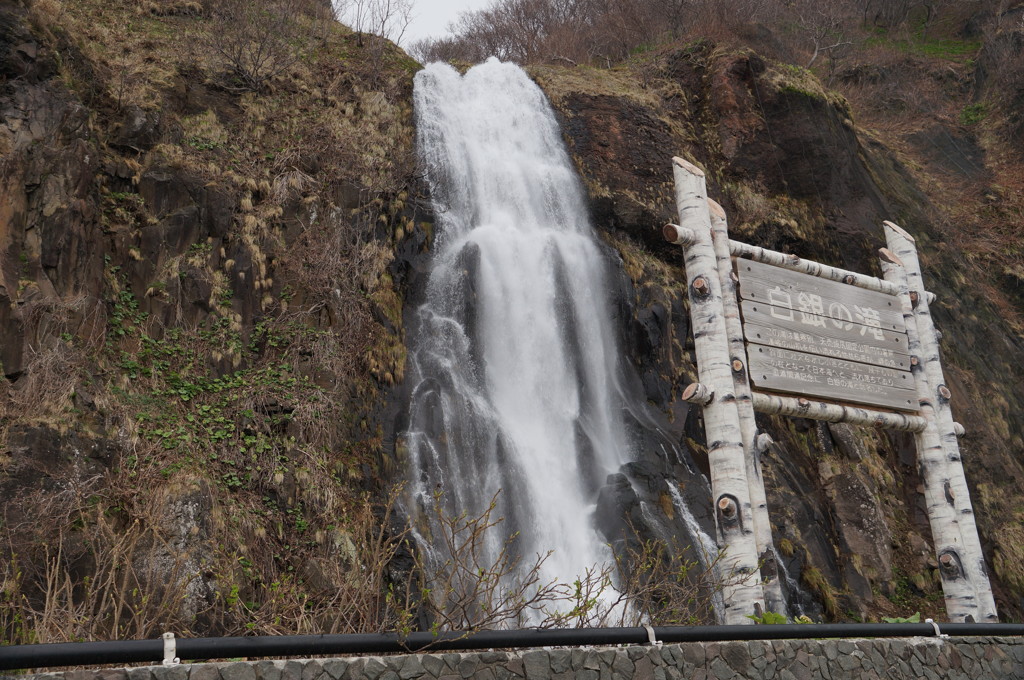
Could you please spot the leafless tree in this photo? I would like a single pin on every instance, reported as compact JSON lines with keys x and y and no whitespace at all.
{"x":824,"y":26}
{"x":257,"y":41}
{"x":384,"y":18}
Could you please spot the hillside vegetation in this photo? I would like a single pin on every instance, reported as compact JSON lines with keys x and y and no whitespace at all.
{"x":212,"y":223}
{"x":199,"y":203}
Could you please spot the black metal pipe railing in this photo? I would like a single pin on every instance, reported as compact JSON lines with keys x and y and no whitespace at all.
{"x":199,"y":649}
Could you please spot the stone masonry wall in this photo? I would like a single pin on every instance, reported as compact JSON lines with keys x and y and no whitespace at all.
{"x":976,"y":658}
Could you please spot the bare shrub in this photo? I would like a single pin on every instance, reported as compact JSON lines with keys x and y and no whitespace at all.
{"x":825,"y":26}
{"x":599,"y":32}
{"x":387,"y":19}
{"x":92,"y":569}
{"x":344,"y":587}
{"x":1003,"y":56}
{"x":669,"y":584}
{"x":462,"y":589}
{"x":258,"y":41}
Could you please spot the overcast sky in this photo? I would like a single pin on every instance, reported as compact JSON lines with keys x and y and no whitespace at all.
{"x":430,"y":18}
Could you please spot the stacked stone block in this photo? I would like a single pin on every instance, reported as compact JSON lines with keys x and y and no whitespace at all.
{"x":875,"y":659}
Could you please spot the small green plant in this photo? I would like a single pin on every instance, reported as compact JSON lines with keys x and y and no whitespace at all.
{"x":818,"y":584}
{"x":201,"y":144}
{"x":914,"y":618}
{"x":768,"y":618}
{"x":973,"y":114}
{"x":903,"y":593}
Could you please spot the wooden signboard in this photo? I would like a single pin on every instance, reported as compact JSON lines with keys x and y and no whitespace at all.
{"x":815,"y":301}
{"x":767,"y":325}
{"x":782,"y":370}
{"x":816,"y":337}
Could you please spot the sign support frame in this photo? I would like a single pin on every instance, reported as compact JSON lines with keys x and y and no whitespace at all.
{"x":727,"y":456}
{"x":753,"y":445}
{"x":742,"y":522}
{"x":906,"y":271}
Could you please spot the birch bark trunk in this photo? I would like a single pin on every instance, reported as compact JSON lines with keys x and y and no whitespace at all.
{"x":954,"y":485}
{"x":730,"y":488}
{"x":800,"y":407}
{"x":768,"y":559}
{"x":958,"y":587}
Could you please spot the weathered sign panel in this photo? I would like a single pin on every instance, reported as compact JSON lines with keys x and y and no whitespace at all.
{"x":777,"y":327}
{"x":818,"y":302}
{"x":782,"y":370}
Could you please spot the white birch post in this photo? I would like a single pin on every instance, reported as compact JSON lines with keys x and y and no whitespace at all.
{"x":729,"y":485}
{"x":957,"y":587}
{"x":954,"y":485}
{"x":802,"y":407}
{"x":767,"y":557}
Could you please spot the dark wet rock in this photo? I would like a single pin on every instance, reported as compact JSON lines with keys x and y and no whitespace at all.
{"x":137,"y":129}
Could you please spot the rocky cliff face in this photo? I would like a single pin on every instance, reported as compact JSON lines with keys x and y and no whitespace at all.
{"x":198,"y":320}
{"x":201,"y":319}
{"x":796,"y":173}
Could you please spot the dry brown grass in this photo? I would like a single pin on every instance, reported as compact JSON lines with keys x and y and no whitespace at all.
{"x":105,"y":567}
{"x":86,"y":565}
{"x":460,"y":585}
{"x":59,"y":335}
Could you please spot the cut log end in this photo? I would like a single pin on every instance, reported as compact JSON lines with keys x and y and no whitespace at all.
{"x":689,"y":167}
{"x":681,"y":236}
{"x":949,"y":565}
{"x":944,"y":393}
{"x":727,"y":506}
{"x":716,"y":210}
{"x":886,"y":255}
{"x":899,"y":230}
{"x":701,"y":286}
{"x":698,"y":393}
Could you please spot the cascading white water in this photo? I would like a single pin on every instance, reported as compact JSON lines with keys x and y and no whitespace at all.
{"x":515,"y":364}
{"x":706,"y":548}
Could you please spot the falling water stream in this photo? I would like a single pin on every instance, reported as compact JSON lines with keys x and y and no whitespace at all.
{"x":515,"y":363}
{"x":520,"y":399}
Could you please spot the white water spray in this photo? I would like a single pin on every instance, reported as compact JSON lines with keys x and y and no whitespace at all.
{"x":515,"y":367}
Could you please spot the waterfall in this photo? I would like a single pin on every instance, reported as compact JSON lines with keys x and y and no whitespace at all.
{"x":706,"y":548}
{"x":514,"y":367}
